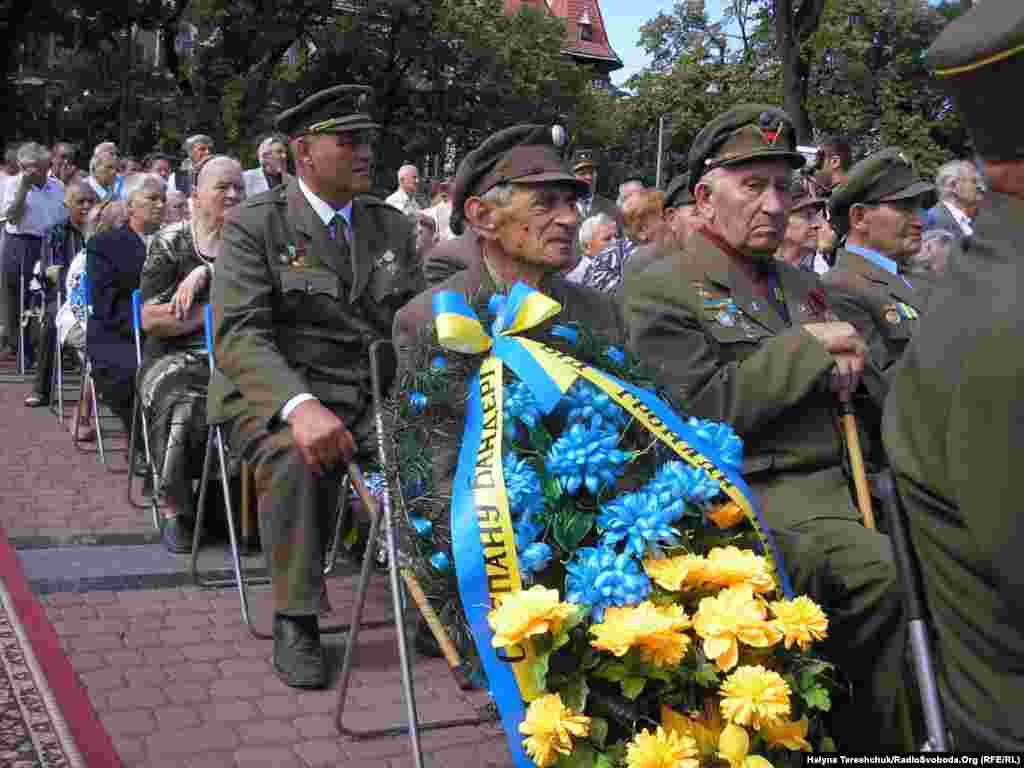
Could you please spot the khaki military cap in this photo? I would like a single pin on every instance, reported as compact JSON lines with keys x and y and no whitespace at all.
{"x":886,"y":176}
{"x":802,"y":196}
{"x":979,"y":61}
{"x":523,"y":154}
{"x":678,"y":193}
{"x":744,"y":134}
{"x":333,"y":110}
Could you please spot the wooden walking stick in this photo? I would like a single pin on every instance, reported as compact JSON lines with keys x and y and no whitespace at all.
{"x":451,"y":655}
{"x":860,"y":478}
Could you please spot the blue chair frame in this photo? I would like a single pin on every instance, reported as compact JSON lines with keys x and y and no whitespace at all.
{"x":138,"y":412}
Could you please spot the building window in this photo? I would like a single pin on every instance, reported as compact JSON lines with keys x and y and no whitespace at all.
{"x":585,"y":28}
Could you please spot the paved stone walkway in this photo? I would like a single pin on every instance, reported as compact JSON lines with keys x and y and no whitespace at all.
{"x":173,"y":671}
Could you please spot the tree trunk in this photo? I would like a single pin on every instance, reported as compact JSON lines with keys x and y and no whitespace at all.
{"x":791,"y":29}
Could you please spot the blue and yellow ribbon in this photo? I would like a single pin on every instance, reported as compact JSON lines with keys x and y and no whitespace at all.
{"x":483,"y":540}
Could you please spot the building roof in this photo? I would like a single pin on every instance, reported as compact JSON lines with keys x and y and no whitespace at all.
{"x":574,"y":12}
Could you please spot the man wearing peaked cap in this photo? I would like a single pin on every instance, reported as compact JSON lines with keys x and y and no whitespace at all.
{"x":954,"y":415}
{"x":803,"y":227}
{"x":590,"y":203}
{"x":749,"y":340}
{"x":520,"y":200}
{"x":312,"y":273}
{"x":881,"y":208}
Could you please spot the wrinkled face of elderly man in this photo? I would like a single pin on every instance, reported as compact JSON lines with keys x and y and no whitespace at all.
{"x":146,"y":207}
{"x":274,"y":158}
{"x":747,"y":205}
{"x":198,"y":151}
{"x":79,"y":199}
{"x":175,"y":207}
{"x":408,"y":179}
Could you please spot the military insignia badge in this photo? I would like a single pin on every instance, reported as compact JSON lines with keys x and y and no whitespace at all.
{"x":726,"y":318}
{"x":386,"y":261}
{"x":891,"y":314}
{"x":907,"y":311}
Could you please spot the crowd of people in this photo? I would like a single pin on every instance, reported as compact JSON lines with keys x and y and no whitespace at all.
{"x":768,"y":296}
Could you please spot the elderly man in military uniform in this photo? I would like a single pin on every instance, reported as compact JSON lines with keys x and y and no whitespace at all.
{"x":748,"y":340}
{"x":955,"y":412}
{"x":312,"y":272}
{"x":881,"y":207}
{"x":521,"y":202}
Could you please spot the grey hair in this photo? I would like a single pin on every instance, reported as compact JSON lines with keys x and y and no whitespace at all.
{"x":405,"y":168}
{"x":199,"y":138}
{"x":711,"y":178}
{"x":136,"y":182}
{"x":948,"y":172}
{"x":105,"y":147}
{"x":619,"y":201}
{"x":32,"y":152}
{"x":275,"y":138}
{"x":590,"y":224}
{"x":95,"y":159}
{"x":11,"y":153}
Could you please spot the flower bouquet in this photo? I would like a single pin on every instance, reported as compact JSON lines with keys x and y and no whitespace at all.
{"x":596,"y":553}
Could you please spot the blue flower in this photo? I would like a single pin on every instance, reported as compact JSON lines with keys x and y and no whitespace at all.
{"x":520,"y":405}
{"x":417,"y":402}
{"x":422,"y":526}
{"x":642,"y":520}
{"x":533,"y":559}
{"x":585,"y":457}
{"x":440,"y":562}
{"x":522,"y":484}
{"x":586,"y":404}
{"x":678,"y":481}
{"x":599,"y":579}
{"x":566,"y":332}
{"x":723,"y":440}
{"x":615,"y":354}
{"x":438,"y":363}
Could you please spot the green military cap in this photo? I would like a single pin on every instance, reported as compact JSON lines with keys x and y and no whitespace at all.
{"x":744,"y":134}
{"x":678,"y":193}
{"x":582,"y":159}
{"x":332,"y":110}
{"x":883,"y":177}
{"x":522,"y":154}
{"x":979,"y":60}
{"x":803,"y":197}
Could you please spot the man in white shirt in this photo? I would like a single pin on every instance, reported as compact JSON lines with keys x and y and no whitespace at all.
{"x":959,"y":188}
{"x":404,"y":198}
{"x":273,"y":170}
{"x":32,"y":203}
{"x":196,"y":147}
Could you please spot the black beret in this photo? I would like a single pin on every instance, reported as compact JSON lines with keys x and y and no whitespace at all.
{"x":522,"y":154}
{"x":332,"y":110}
{"x":979,"y":59}
{"x":885,"y":176}
{"x":744,"y":134}
{"x":678,"y":192}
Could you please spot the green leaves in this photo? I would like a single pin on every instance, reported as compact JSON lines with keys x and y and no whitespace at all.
{"x":811,"y":684}
{"x":633,"y":687}
{"x":571,"y":527}
{"x":598,"y":731}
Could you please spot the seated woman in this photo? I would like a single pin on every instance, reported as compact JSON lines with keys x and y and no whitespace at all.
{"x":175,"y":373}
{"x":72,"y":316}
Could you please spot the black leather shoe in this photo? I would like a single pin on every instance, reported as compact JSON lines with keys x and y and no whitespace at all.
{"x":298,"y":657}
{"x":176,"y":535}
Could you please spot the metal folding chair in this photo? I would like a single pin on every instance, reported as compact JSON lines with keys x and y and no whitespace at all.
{"x":381,"y":515}
{"x":907,"y":571}
{"x":88,"y":387}
{"x":215,"y":439}
{"x":137,"y":412}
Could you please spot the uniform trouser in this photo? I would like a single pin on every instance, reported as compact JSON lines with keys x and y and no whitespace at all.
{"x":47,"y":352}
{"x":849,"y":570}
{"x":117,"y":391}
{"x":296,"y":510}
{"x":20,"y":253}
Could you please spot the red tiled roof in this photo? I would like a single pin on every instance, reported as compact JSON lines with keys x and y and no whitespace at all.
{"x":571,"y":11}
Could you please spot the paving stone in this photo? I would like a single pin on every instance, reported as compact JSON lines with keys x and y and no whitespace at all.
{"x":187,"y":693}
{"x":218,"y":760}
{"x":135,"y":698}
{"x":268,"y":732}
{"x":266,"y":758}
{"x":192,"y":672}
{"x":240,"y":688}
{"x":192,"y":741}
{"x":227,"y":711}
{"x":137,"y":723}
{"x":176,"y":718}
{"x":279,"y":706}
{"x":322,"y":753}
{"x":102,"y":679}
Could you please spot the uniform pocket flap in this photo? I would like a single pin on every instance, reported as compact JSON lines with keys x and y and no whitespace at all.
{"x":310,"y":281}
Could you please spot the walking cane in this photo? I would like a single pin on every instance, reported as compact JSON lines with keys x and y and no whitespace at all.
{"x":917,"y":630}
{"x":860,"y":478}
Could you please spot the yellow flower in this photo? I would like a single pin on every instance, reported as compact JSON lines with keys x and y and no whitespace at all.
{"x":550,"y":727}
{"x":801,"y":621}
{"x":788,"y":734}
{"x":732,"y":616}
{"x":676,"y":573}
{"x":754,"y":696}
{"x":705,"y":730}
{"x":526,"y":613}
{"x":756,"y":761}
{"x":734,"y":745}
{"x":656,"y":630}
{"x":661,"y":749}
{"x":726,"y":515}
{"x":730,"y":566}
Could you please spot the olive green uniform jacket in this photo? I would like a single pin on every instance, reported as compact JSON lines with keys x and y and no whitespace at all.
{"x":451,"y":256}
{"x":954,"y":432}
{"x":883,"y":307}
{"x":295,"y":311}
{"x":728,"y":356}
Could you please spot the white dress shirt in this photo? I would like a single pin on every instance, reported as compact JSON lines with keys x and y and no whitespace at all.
{"x":961,"y":218}
{"x":327,"y":215}
{"x":255,"y":181}
{"x":44,"y":206}
{"x":403,"y":201}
